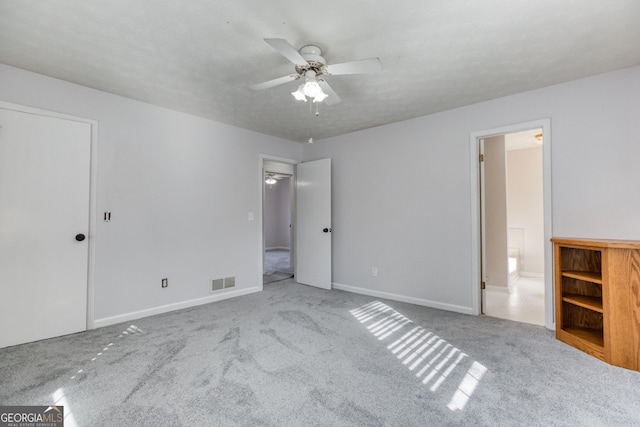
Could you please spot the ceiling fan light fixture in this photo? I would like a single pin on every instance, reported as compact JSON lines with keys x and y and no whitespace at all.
{"x":320,"y":97}
{"x":311,"y":86}
{"x":299,"y":94}
{"x":270,"y":180}
{"x":312,"y":89}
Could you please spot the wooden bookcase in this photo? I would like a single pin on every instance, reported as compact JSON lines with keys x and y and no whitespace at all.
{"x":597,"y":294}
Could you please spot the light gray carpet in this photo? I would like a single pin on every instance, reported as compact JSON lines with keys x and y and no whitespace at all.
{"x":298,"y":356}
{"x":277,"y":260}
{"x":277,"y":266}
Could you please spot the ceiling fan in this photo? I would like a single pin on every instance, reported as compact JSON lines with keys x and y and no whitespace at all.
{"x":310,"y":65}
{"x":272,"y":177}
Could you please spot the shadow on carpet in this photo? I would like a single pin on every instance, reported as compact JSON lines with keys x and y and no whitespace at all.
{"x":275,"y":277}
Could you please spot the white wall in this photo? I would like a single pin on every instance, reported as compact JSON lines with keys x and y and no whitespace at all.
{"x":402,"y":192}
{"x":277,"y":215}
{"x":495,"y":196}
{"x":179,"y":189}
{"x":525,"y":206}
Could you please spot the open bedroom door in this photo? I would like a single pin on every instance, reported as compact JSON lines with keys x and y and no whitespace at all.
{"x":313,"y":219}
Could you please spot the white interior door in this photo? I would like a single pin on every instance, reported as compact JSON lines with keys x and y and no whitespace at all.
{"x":313,"y":219}
{"x":44,"y":213}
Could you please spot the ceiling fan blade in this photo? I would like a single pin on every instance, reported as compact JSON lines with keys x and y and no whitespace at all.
{"x":288,"y":51}
{"x":275,"y":82}
{"x":333,"y":97}
{"x":356,"y":67}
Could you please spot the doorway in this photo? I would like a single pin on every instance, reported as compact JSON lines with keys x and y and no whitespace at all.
{"x":310,"y":218}
{"x":477,"y":284}
{"x":278,"y":196}
{"x":513,"y":238}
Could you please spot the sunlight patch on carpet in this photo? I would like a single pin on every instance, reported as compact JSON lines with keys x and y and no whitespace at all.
{"x":432,"y":358}
{"x":59,"y":399}
{"x":130,"y":331}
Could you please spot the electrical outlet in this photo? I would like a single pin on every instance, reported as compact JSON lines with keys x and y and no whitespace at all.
{"x":374,"y":271}
{"x":165,"y":282}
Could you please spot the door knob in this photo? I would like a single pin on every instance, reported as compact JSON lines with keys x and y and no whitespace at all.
{"x":80,"y":237}
{"x":326,"y":230}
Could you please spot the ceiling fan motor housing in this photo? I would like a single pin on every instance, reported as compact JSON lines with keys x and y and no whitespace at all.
{"x":312,"y":54}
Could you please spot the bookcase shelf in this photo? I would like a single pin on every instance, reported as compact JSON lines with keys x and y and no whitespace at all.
{"x":592,"y":336}
{"x":587,"y":276}
{"x":590,"y":303}
{"x":597,"y":289}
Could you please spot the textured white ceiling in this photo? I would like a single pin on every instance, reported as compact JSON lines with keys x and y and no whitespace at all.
{"x":200,"y":56}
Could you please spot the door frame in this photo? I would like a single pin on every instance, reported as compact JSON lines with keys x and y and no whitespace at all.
{"x":476,"y":241}
{"x":93,"y":176}
{"x":292,"y":201}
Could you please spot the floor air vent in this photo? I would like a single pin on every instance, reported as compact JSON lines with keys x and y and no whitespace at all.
{"x":227,"y":282}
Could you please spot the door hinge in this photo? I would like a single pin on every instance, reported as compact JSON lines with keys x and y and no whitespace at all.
{"x":483,"y":285}
{"x":481,"y":158}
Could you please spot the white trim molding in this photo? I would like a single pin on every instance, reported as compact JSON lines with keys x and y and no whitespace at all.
{"x":500,"y":289}
{"x":127,"y":317}
{"x":404,"y":298}
{"x":531,"y":275}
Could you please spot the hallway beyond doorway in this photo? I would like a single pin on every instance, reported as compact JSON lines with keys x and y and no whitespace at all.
{"x":525,"y":303}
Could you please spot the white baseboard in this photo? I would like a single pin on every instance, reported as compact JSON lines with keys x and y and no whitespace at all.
{"x":106,"y":321}
{"x":502,"y":289}
{"x":275,"y":248}
{"x":532,"y":275}
{"x":403,"y":298}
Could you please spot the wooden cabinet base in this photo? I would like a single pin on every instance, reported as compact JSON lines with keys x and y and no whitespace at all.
{"x":587,"y":340}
